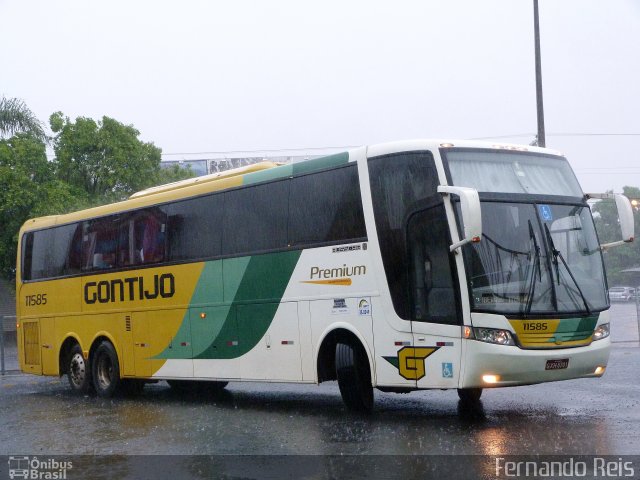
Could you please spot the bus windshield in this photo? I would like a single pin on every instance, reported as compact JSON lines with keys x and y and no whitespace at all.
{"x":536,"y":259}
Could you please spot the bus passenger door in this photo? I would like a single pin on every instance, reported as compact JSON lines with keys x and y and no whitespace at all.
{"x":435,"y":315}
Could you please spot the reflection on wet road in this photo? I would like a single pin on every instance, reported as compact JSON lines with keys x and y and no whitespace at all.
{"x":591,"y":416}
{"x":574,"y":417}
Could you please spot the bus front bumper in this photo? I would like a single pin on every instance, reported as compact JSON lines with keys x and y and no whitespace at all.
{"x":489,"y":365}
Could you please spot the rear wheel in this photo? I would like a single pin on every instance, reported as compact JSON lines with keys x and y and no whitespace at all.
{"x":78,"y":371}
{"x":105,"y":370}
{"x":354,"y":377}
{"x":470,"y":395}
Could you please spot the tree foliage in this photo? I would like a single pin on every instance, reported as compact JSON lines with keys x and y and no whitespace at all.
{"x":608,"y":227}
{"x":105,"y":159}
{"x":28,"y":189}
{"x":15,"y":117}
{"x":95,"y":163}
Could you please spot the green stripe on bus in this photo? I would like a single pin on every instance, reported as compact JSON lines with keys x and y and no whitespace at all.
{"x":571,"y":329}
{"x":237,"y":311}
{"x":210,"y":289}
{"x":329,"y":161}
{"x":299,"y":168}
{"x":254,"y":306}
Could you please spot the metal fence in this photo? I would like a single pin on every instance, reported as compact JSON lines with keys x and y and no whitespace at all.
{"x":8,"y":346}
{"x":638,"y":312}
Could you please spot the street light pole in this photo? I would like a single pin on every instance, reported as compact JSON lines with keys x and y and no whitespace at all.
{"x":541,"y":142}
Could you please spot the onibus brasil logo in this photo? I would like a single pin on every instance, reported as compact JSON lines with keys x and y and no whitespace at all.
{"x":35,"y":468}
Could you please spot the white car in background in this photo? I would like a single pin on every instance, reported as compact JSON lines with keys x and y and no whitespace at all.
{"x":622,"y":294}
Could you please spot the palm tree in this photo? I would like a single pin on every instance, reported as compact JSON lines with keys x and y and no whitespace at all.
{"x":15,"y":117}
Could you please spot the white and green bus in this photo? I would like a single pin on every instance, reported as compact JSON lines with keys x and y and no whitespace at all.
{"x":401,"y":266}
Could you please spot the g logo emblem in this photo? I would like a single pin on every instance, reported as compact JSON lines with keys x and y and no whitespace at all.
{"x":410,"y":361}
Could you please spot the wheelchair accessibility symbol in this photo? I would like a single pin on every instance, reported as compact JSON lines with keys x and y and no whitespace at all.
{"x":447,"y":370}
{"x":545,"y":213}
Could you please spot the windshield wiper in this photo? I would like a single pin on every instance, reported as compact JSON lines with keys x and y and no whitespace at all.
{"x":557,"y":254}
{"x":536,"y":269}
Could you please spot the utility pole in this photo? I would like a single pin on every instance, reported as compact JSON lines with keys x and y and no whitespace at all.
{"x":541,"y":142}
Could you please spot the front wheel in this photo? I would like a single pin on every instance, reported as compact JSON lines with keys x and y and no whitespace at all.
{"x":470,"y":395}
{"x":105,"y":370}
{"x":354,"y":377}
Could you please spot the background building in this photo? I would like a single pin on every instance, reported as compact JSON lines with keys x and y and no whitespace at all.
{"x":204,"y":166}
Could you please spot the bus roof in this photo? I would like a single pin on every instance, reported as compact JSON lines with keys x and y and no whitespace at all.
{"x":212,"y":177}
{"x":193,"y":187}
{"x":253,"y":174}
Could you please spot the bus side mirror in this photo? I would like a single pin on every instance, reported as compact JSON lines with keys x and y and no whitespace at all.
{"x":625,"y":215}
{"x":471,"y":215}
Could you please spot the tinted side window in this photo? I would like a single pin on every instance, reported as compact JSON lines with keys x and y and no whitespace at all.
{"x":431,"y":266}
{"x":27,"y":256}
{"x":74,"y":252}
{"x":100,"y":243}
{"x":398,"y":181}
{"x":46,"y":252}
{"x":142,"y":237}
{"x":326,"y":207}
{"x":43,"y":240}
{"x":58,"y":263}
{"x":255,"y":218}
{"x":195,"y":228}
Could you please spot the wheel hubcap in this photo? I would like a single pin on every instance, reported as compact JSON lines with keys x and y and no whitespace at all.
{"x":105,"y":371}
{"x":78,"y":369}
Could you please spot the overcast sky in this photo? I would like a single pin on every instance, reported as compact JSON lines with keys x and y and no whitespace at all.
{"x":236,"y":75}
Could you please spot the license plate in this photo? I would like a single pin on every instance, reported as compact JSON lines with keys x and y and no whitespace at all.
{"x":557,"y":364}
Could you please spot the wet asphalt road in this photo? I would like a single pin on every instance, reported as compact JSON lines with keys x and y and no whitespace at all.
{"x":40,"y":415}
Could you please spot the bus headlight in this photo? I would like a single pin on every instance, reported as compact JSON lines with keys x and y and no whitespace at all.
{"x":601,"y":331}
{"x":492,"y":335}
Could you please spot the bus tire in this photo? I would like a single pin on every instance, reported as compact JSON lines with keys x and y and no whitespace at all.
{"x":105,"y":370}
{"x":78,"y":371}
{"x":470,"y":395}
{"x":354,"y":377}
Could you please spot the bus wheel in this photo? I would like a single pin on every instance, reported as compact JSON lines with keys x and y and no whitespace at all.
{"x":354,"y":377}
{"x":78,"y":371}
{"x":470,"y":395}
{"x":106,"y":370}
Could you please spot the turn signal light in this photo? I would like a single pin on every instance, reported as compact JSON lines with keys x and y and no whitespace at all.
{"x":467,"y":332}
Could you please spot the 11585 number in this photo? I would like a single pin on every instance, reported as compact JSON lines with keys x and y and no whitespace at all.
{"x":36,"y":299}
{"x":534,"y":326}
